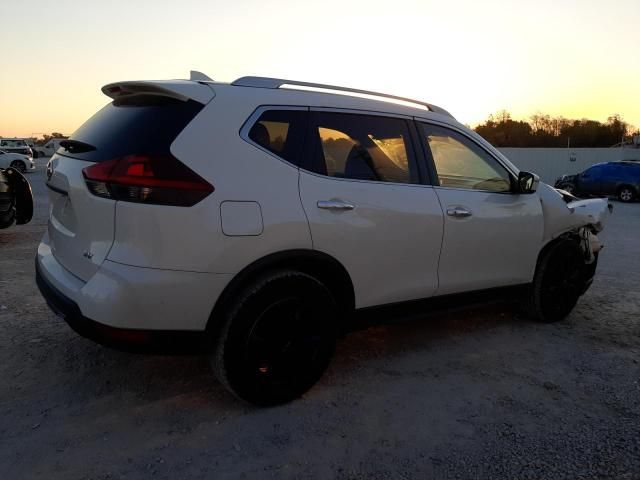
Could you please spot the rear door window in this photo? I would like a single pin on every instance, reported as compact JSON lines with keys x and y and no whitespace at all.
{"x":362,"y":147}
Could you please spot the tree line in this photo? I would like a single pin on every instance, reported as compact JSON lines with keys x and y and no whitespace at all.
{"x":45,"y":138}
{"x":546,"y":131}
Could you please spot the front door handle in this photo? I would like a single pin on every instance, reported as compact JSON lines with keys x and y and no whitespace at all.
{"x":458,"y":212}
{"x":335,"y":205}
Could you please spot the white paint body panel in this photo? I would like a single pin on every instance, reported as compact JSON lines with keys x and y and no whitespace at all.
{"x":241,"y":218}
{"x":561,"y":217}
{"x":593,"y":211}
{"x":160,"y":267}
{"x":497,"y":245}
{"x":161,"y":237}
{"x":7,"y":157}
{"x":389,"y":243}
{"x":80,"y":224}
{"x":179,"y":88}
{"x":122,"y":296}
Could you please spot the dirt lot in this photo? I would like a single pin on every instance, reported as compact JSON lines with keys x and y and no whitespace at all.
{"x":479,"y":394}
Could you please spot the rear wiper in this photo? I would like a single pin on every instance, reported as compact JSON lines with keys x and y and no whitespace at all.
{"x":74,"y":146}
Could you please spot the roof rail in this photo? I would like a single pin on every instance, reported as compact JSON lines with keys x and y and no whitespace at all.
{"x":266,"y":82}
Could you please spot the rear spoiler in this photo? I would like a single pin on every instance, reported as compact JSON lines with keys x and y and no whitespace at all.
{"x":179,"y":89}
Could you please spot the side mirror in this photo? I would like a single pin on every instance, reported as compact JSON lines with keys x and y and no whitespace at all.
{"x":527,"y":182}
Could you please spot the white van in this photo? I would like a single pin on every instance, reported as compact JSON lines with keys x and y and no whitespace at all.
{"x":50,"y":147}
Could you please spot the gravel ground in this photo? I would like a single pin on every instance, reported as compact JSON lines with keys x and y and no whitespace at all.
{"x":477,"y":394}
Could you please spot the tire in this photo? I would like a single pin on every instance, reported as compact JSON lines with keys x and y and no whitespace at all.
{"x":561,"y":278}
{"x":19,"y":165}
{"x":626,"y":194}
{"x":277,"y":338}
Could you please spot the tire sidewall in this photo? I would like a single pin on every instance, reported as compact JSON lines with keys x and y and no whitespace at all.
{"x":623,"y":189}
{"x":230,"y":361}
{"x":19,"y":165}
{"x":539,"y":304}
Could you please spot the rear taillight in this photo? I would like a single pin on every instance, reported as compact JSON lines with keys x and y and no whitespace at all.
{"x":153,"y":179}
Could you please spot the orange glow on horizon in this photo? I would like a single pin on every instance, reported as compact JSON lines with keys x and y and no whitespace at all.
{"x":575,"y":59}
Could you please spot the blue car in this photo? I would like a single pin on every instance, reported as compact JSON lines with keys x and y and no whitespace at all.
{"x":611,"y":179}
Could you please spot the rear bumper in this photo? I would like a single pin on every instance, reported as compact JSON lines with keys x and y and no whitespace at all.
{"x":130,"y":307}
{"x":131,"y":340}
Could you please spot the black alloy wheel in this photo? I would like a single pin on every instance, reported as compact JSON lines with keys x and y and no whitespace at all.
{"x":626,"y":194}
{"x":278,"y":339}
{"x":561,"y":277}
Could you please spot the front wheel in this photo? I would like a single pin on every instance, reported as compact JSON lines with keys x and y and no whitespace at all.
{"x":278,"y":338}
{"x":561,"y":278}
{"x":19,"y":165}
{"x":626,"y":194}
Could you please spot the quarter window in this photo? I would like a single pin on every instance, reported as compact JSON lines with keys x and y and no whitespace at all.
{"x":461,"y":163}
{"x":281,"y":132}
{"x":362,"y":147}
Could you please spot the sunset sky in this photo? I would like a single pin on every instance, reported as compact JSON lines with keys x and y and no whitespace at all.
{"x":572,"y":58}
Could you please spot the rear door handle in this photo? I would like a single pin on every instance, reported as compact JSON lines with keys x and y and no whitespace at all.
{"x":335,"y":205}
{"x":458,"y":212}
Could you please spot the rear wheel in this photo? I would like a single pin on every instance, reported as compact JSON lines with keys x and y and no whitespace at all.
{"x":561,"y":277}
{"x":626,"y":194}
{"x":278,"y":338}
{"x":19,"y":165}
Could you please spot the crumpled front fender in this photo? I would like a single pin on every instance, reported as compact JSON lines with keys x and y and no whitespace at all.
{"x":561,"y":217}
{"x":593,"y":211}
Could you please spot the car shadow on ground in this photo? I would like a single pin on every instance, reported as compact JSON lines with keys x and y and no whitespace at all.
{"x":94,"y":372}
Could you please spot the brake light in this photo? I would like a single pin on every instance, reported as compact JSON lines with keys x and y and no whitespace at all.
{"x":152,"y":179}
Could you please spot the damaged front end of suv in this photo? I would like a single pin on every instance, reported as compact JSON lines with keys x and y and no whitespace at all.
{"x":568,"y":260}
{"x":584,"y":218}
{"x":16,"y":198}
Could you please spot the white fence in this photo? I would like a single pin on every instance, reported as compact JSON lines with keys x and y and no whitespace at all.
{"x":550,"y":163}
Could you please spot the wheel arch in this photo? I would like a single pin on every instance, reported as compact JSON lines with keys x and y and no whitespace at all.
{"x":569,"y":235}
{"x":317,"y":264}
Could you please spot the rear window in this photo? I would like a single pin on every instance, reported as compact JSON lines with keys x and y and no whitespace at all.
{"x":135,"y":126}
{"x":12,"y":143}
{"x":363,"y":147}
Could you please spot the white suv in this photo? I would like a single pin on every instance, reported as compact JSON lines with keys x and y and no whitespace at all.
{"x":254,"y":218}
{"x":16,"y":145}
